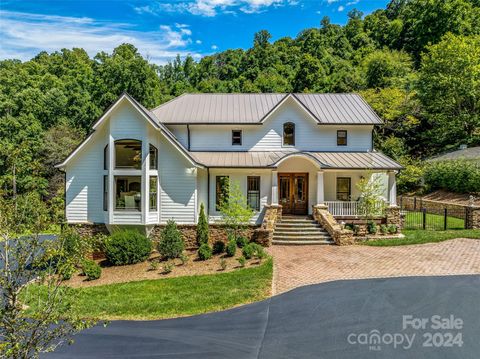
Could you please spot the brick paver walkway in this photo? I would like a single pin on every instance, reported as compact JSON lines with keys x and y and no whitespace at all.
{"x":295,"y":266}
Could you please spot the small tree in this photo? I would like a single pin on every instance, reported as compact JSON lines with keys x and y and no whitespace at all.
{"x":171,"y":244}
{"x":202,"y":227}
{"x":30,"y":269}
{"x":236,"y":212}
{"x":371,"y":190}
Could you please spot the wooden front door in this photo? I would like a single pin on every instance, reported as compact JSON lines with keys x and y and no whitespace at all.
{"x":293,"y":192}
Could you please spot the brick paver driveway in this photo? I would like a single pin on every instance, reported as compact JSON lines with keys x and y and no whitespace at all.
{"x":296,"y":266}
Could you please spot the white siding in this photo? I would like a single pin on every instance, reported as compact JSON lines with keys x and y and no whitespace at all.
{"x":268,"y":137}
{"x":240,"y":176}
{"x":84,"y":182}
{"x":178,"y":185}
{"x":181,"y":133}
{"x":330,"y":183}
{"x":127,"y":217}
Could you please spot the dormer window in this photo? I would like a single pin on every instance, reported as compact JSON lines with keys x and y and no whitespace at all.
{"x":236,"y":138}
{"x":289,"y":134}
{"x":341,"y":138}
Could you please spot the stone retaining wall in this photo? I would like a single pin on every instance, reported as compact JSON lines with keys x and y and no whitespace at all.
{"x":340,"y":236}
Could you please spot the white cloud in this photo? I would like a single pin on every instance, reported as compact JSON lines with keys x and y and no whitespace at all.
{"x":341,"y":8}
{"x":332,"y":1}
{"x":214,"y":47}
{"x":210,"y":8}
{"x":353,"y":2}
{"x":24,"y":35}
{"x":318,"y":12}
{"x":198,"y":42}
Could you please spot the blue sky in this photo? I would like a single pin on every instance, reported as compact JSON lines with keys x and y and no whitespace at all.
{"x":159,"y":29}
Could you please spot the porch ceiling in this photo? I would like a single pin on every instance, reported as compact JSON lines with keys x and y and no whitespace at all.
{"x":326,"y":160}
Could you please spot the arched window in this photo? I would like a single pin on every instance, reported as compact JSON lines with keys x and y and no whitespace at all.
{"x":128,"y":154}
{"x":289,"y":134}
{"x":153,"y":157}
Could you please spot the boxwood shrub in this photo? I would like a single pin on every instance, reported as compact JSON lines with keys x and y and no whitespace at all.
{"x":218,"y":247}
{"x":231,"y":248}
{"x":204,"y":252}
{"x":127,"y":247}
{"x":91,"y":269}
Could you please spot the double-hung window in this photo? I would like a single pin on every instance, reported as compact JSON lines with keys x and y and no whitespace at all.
{"x":253,"y":192}
{"x":341,"y":138}
{"x":236,"y":138}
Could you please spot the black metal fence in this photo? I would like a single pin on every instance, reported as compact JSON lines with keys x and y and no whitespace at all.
{"x":423,"y":218}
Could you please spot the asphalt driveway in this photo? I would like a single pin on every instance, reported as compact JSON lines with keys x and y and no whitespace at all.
{"x":341,"y":319}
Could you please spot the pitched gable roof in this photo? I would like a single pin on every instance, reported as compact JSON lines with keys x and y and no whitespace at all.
{"x":254,"y":108}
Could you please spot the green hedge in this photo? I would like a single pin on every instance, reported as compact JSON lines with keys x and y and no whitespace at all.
{"x":459,"y":176}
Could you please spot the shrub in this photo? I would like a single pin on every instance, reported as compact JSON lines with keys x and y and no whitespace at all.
{"x":127,"y":247}
{"x":248,"y":251}
{"x":371,"y":227}
{"x":91,"y":269}
{"x":242,"y":242}
{"x":66,"y":270}
{"x":241,"y":260}
{"x":154,"y":264}
{"x":223,"y":264}
{"x":383,"y":229}
{"x":392,"y":229}
{"x":231,"y":248}
{"x":171,"y":244}
{"x":461,"y":176}
{"x":202,"y":227}
{"x":356,"y":229}
{"x":204,"y":252}
{"x":183,"y":258}
{"x":167,"y":268}
{"x":218,"y":247}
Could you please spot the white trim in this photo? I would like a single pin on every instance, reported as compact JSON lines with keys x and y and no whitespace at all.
{"x":279,"y":105}
{"x":298,"y":154}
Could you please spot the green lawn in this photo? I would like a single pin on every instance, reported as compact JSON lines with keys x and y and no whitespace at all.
{"x":414,"y":220}
{"x":172,"y":297}
{"x":418,"y":236}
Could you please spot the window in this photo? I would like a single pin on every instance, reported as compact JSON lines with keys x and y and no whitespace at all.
{"x":153,"y":157}
{"x":106,"y":158}
{"x":253,"y":192}
{"x":236,"y":138}
{"x":153,"y":193}
{"x":128,"y":154}
{"x":222,"y":189}
{"x":128,"y":193}
{"x":289,"y":134}
{"x":105,"y":193}
{"x":343,"y":188}
{"x":341,"y":138}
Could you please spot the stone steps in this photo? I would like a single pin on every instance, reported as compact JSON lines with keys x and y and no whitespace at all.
{"x":299,"y":230}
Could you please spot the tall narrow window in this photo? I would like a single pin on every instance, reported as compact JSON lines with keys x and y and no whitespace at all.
{"x":341,"y":138}
{"x":222,"y":189}
{"x":105,"y":193}
{"x":128,"y":154}
{"x":153,"y":157}
{"x":153,"y":193}
{"x":236,"y":137}
{"x":289,"y":134}
{"x":343,"y":188}
{"x":253,"y":192}
{"x":106,"y":158}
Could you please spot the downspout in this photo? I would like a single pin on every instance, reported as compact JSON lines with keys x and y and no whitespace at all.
{"x":188,"y":137}
{"x":208,"y":192}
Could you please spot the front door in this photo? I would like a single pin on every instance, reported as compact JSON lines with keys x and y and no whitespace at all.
{"x":293,"y":192}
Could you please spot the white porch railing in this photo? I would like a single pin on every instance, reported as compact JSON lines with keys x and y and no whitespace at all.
{"x":349,"y":208}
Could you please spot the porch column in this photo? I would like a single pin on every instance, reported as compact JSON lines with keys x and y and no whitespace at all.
{"x":392,"y":188}
{"x":320,"y":188}
{"x":274,"y":187}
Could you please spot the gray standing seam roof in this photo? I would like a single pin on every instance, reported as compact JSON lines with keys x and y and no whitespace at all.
{"x":253,"y":108}
{"x":326,"y":160}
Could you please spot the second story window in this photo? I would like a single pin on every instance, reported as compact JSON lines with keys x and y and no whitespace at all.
{"x":341,"y":138}
{"x":289,"y":134}
{"x":153,"y":157}
{"x":236,"y":138}
{"x":128,"y":154}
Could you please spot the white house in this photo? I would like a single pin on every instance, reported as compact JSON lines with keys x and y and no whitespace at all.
{"x":144,"y":167}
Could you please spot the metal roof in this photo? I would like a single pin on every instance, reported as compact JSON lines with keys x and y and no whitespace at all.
{"x":254,"y":108}
{"x":472,"y":153}
{"x":326,"y":160}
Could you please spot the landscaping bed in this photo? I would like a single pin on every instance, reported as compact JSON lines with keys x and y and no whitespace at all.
{"x":144,"y":271}
{"x":171,"y":297}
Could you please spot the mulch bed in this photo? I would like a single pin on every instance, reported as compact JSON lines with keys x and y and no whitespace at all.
{"x":143,"y":271}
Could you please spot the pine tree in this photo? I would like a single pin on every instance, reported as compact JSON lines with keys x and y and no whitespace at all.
{"x":202,"y":227}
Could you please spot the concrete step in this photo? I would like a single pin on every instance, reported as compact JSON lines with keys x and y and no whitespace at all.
{"x":301,"y":238}
{"x":303,"y":242}
{"x":301,"y":233}
{"x":299,"y":229}
{"x":304,"y":224}
{"x":295,"y":221}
